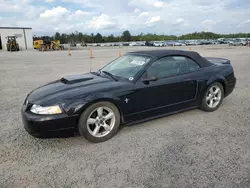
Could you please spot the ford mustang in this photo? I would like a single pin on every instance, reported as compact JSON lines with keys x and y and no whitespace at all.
{"x":135,"y":87}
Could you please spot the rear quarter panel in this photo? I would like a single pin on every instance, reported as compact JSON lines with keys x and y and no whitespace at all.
{"x":221,"y":71}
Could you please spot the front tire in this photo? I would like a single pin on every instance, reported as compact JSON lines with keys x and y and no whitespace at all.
{"x":213,"y":97}
{"x":99,"y":122}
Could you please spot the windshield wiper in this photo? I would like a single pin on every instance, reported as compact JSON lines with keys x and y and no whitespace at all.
{"x":111,"y":75}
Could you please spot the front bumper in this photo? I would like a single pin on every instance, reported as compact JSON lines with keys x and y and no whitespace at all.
{"x":48,"y":125}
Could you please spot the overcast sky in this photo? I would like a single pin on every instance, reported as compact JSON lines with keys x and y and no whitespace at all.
{"x":114,"y":16}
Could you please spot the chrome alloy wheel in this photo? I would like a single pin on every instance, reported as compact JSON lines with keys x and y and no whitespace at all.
{"x":101,"y":121}
{"x":213,"y":96}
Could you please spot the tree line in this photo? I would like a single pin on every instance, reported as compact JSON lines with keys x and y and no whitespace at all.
{"x":79,"y":37}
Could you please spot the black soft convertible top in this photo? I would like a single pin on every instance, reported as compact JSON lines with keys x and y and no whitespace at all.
{"x":163,"y":53}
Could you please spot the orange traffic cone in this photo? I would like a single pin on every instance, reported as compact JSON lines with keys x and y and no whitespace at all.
{"x":91,"y":54}
{"x":69,"y":54}
{"x":190,"y":49}
{"x":119,"y":52}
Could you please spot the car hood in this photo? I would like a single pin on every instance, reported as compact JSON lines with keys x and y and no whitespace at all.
{"x":68,"y":87}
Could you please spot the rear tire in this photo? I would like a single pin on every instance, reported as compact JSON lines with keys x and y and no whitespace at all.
{"x":99,"y":122}
{"x":213,"y":97}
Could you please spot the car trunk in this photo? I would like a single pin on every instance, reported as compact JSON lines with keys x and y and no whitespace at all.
{"x":215,"y":60}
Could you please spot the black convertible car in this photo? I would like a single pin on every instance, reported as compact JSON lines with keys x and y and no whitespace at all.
{"x":138,"y":86}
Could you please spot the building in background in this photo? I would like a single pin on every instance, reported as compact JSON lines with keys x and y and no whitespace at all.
{"x":23,"y":34}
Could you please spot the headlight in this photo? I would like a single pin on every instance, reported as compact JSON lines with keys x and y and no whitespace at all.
{"x":37,"y":109}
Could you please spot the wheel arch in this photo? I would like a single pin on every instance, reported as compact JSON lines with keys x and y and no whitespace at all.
{"x":104,"y":99}
{"x":219,"y":79}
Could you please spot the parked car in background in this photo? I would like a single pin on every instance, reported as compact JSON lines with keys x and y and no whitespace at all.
{"x":169,"y":43}
{"x":188,"y":42}
{"x":216,"y":42}
{"x":159,"y":44}
{"x":230,"y":41}
{"x":125,"y":44}
{"x":198,"y":42}
{"x":149,"y":43}
{"x":179,"y":43}
{"x":134,"y":44}
{"x":83,"y":44}
{"x":222,"y":41}
{"x":142,"y":44}
{"x":95,"y":44}
{"x":192,"y":42}
{"x":206,"y":42}
{"x":247,"y":42}
{"x":238,"y":42}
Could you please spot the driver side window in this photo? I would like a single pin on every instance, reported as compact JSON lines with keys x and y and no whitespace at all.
{"x":164,"y":67}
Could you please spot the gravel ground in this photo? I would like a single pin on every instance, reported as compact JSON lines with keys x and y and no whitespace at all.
{"x":190,"y":149}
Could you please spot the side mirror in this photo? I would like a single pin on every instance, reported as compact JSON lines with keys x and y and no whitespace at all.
{"x":149,"y":79}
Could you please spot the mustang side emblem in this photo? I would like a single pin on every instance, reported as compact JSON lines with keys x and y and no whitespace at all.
{"x":126,"y":100}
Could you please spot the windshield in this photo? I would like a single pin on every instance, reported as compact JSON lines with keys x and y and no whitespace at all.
{"x":127,"y":66}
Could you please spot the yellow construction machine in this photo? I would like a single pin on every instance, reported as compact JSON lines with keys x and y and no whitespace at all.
{"x":12,"y":44}
{"x":45,"y":44}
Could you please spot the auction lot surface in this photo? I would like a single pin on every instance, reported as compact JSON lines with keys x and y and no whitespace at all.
{"x":191,"y":149}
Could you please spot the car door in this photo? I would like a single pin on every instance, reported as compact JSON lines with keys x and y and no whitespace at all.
{"x":175,"y":84}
